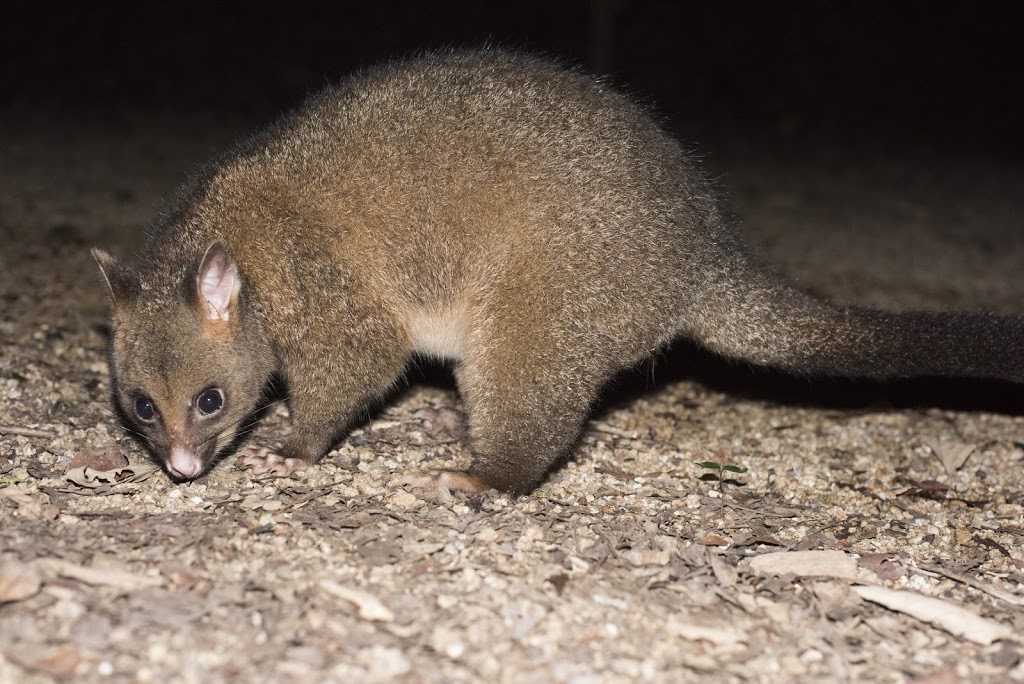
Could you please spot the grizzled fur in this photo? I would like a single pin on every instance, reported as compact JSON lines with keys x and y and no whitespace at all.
{"x":523,"y":220}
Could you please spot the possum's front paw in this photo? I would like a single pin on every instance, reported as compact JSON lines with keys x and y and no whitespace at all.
{"x":448,"y":480}
{"x":266,"y":462}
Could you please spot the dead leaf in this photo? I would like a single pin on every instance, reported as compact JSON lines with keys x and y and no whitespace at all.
{"x":713,"y":540}
{"x":445,"y":423}
{"x":91,"y":478}
{"x":29,"y":502}
{"x":952,"y":453}
{"x":367,"y":605}
{"x":741,"y":540}
{"x":59,"y":663}
{"x":17,"y":582}
{"x":811,"y":541}
{"x":946,"y":675}
{"x":642,"y":557}
{"x":881,"y":564}
{"x":724,"y":573}
{"x":559,"y":581}
{"x":110,"y":457}
{"x":945,"y":615}
{"x":179,"y":574}
{"x":835,"y":599}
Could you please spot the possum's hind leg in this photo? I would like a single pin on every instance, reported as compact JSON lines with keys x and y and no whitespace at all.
{"x":523,"y":419}
{"x":527,"y":385}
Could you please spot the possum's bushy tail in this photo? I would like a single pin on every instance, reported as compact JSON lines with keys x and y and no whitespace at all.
{"x":756,"y":316}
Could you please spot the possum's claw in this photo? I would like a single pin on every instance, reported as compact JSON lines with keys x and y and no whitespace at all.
{"x":266,"y":462}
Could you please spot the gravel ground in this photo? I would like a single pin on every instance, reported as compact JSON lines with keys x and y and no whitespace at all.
{"x":632,"y":563}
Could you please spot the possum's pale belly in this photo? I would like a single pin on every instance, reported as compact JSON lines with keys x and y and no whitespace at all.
{"x":439,"y":333}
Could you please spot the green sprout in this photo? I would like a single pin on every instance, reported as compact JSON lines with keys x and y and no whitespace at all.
{"x":721,"y":469}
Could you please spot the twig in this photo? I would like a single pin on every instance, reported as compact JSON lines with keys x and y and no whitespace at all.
{"x":976,"y":583}
{"x":315,"y":493}
{"x":26,"y":432}
{"x":607,"y":429}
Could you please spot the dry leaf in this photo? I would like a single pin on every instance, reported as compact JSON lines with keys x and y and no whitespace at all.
{"x":835,"y":599}
{"x":946,"y":675}
{"x":179,"y":574}
{"x":942,"y":614}
{"x":31,"y":504}
{"x":110,"y":457}
{"x":252,"y":502}
{"x":811,"y":541}
{"x":724,"y":573}
{"x":806,"y":564}
{"x":642,"y":557}
{"x":367,"y":605}
{"x":59,"y":663}
{"x":17,"y":582}
{"x":443,"y":423}
{"x":559,"y":581}
{"x":752,"y":539}
{"x":951,"y":452}
{"x":713,"y":539}
{"x":881,"y":564}
{"x":91,"y":478}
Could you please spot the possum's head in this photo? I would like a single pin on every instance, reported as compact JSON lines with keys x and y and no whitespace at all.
{"x":188,"y":359}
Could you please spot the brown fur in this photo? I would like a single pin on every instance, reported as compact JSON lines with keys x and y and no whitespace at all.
{"x":524,"y":219}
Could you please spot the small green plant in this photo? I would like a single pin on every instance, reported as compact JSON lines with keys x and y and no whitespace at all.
{"x":721,"y":469}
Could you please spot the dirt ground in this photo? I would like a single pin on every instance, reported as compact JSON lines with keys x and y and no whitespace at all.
{"x":632,"y":563}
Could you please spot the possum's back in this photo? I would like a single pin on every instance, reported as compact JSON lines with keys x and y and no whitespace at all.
{"x":486,"y":152}
{"x":470,"y":171}
{"x":497,"y":129}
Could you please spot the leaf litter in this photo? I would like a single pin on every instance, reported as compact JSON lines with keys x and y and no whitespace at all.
{"x":624,"y":566}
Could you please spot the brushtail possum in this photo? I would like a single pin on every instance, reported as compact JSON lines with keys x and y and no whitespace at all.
{"x":524,"y":221}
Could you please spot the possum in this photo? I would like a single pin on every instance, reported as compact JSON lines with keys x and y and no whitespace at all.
{"x":522,"y":220}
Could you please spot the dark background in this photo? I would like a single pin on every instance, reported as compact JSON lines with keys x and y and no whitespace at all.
{"x":889,"y":77}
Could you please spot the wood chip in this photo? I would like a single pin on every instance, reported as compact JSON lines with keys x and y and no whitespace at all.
{"x":806,"y":564}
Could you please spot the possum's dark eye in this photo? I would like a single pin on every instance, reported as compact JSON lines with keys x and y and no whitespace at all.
{"x":210,"y":401}
{"x":145,"y":409}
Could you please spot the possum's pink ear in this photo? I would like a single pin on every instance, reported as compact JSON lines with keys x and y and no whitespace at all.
{"x":217,"y":284}
{"x":122,"y":283}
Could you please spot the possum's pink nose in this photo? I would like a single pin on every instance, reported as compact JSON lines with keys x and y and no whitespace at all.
{"x":184,"y":464}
